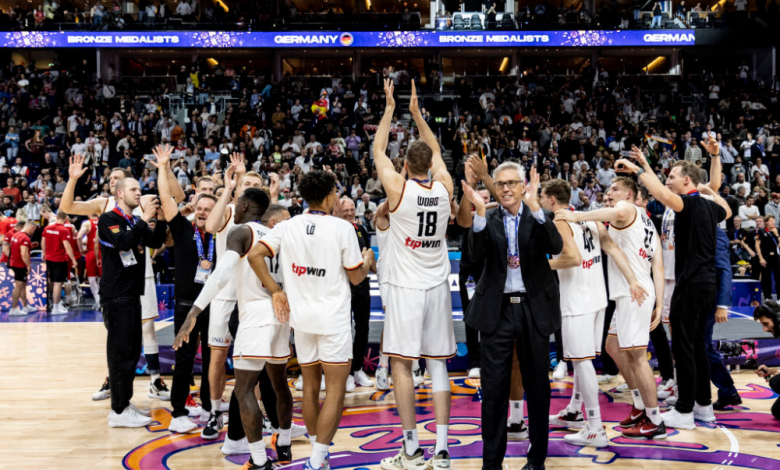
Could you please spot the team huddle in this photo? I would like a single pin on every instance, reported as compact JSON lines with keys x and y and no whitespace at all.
{"x":293,"y":275}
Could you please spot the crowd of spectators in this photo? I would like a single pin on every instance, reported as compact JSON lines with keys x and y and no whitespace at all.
{"x":571,"y":127}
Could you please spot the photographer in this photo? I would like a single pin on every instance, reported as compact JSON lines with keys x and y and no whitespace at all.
{"x":767,"y":315}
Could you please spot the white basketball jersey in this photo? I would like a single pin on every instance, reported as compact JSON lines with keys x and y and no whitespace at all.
{"x":228,"y":293}
{"x":418,"y":226}
{"x":582,"y":287}
{"x":254,"y":300}
{"x":137,"y":212}
{"x":316,"y":251}
{"x":667,"y":243}
{"x":637,"y":241}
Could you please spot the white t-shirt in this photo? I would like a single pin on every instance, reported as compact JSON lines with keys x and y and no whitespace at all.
{"x":744,"y":212}
{"x":317,"y":252}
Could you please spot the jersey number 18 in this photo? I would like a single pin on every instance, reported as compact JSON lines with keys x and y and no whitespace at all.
{"x":427,"y":224}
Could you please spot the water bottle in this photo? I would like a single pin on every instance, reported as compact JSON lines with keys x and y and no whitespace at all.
{"x":471,"y":286}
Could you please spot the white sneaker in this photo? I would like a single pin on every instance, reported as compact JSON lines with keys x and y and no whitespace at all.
{"x":622,"y":387}
{"x":128,"y":419}
{"x":560,"y":371}
{"x":703,"y":413}
{"x":350,"y":383}
{"x":675,"y":419}
{"x":231,"y":447}
{"x":59,"y":310}
{"x":606,"y":378}
{"x":666,"y":389}
{"x":183,"y":425}
{"x":159,"y":390}
{"x":144,"y":413}
{"x":30,"y":309}
{"x":418,"y":377}
{"x":440,"y":461}
{"x":299,"y":383}
{"x":568,"y":419}
{"x":193,"y":409}
{"x":586,"y":437}
{"x":672,"y":399}
{"x":322,"y":383}
{"x":102,"y":394}
{"x":403,"y":461}
{"x":362,"y":380}
{"x":474,"y":373}
{"x":382,"y":378}
{"x":296,"y":430}
{"x":16,"y":312}
{"x":204,"y":415}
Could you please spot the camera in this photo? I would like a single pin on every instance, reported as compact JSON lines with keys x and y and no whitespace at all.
{"x":747,"y":347}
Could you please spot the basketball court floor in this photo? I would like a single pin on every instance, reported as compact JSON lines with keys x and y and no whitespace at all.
{"x":50,"y":370}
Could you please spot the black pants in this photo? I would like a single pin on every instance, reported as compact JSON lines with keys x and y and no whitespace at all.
{"x":774,"y":384}
{"x":472,"y":335}
{"x":185,"y":359}
{"x":533,"y":352}
{"x":772,"y":267}
{"x":608,"y":365}
{"x":122,"y":318}
{"x":688,"y":316}
{"x":662,"y":352}
{"x":361,"y":313}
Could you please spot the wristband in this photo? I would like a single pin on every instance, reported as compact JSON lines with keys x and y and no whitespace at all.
{"x":639,"y":172}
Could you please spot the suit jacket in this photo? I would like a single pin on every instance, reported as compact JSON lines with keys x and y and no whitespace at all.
{"x":535,"y":242}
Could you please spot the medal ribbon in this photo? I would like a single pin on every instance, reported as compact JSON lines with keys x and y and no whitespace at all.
{"x":130,"y":218}
{"x":511,"y":236}
{"x":199,"y":243}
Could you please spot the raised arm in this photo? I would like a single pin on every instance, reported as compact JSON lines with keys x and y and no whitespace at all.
{"x":68,"y":203}
{"x":218,"y":218}
{"x":438,"y":168}
{"x":169,"y":206}
{"x":647,"y":177}
{"x":480,"y":168}
{"x":638,"y":293}
{"x":391,"y":180}
{"x":716,"y":168}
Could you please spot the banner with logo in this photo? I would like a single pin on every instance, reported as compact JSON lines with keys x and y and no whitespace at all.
{"x":382,"y":39}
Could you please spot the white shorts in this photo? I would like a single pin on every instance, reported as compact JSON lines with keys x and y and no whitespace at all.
{"x":631,"y":322}
{"x":149,"y":307}
{"x":383,"y":293}
{"x":313,"y":349}
{"x":667,"y":307}
{"x":219,"y":316}
{"x":582,"y":335}
{"x":254,"y":346}
{"x":418,"y":323}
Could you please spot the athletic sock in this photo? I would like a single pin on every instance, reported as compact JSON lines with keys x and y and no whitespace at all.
{"x":411,"y":444}
{"x":515,"y":411}
{"x":285,"y":436}
{"x":216,"y":405}
{"x":257,"y":449}
{"x":594,"y":419}
{"x":441,"y":438}
{"x":155,"y":377}
{"x":318,"y":454}
{"x":654,"y":415}
{"x":384,"y":361}
{"x":575,"y":405}
{"x":415,"y":365}
{"x":638,"y":403}
{"x":313,"y":440}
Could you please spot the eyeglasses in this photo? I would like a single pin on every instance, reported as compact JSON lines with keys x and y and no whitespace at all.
{"x":509,"y":184}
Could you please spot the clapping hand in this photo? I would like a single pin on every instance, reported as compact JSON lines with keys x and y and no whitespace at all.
{"x":532,"y":190}
{"x":474,"y":198}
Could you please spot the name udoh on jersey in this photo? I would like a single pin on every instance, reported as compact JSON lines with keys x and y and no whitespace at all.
{"x":418,"y":226}
{"x":316,"y":251}
{"x":254,"y":300}
{"x":582,"y":287}
{"x":227,"y":293}
{"x":637,"y":241}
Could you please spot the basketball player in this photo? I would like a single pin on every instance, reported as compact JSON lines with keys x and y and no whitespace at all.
{"x":19,"y":262}
{"x":92,"y":256}
{"x":319,"y":255}
{"x":583,"y":301}
{"x":149,"y":311}
{"x":635,"y":234}
{"x":419,"y":306}
{"x":261,"y":342}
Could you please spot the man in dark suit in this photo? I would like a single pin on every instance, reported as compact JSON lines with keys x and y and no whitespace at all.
{"x":516,"y":300}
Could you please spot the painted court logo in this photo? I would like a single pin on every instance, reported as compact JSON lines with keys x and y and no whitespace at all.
{"x":346,"y":39}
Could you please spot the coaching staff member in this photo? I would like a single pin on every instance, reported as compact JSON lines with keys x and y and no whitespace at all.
{"x":195,"y":254}
{"x":694,"y":297}
{"x":516,"y":299}
{"x":122,"y":241}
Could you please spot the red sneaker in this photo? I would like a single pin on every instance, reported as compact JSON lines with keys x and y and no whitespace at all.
{"x":645,"y":429}
{"x":634,"y":418}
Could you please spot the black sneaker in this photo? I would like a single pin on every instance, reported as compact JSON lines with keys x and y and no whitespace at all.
{"x":251,"y":465}
{"x":159,"y":390}
{"x":214,"y":426}
{"x":724,"y":403}
{"x":517,"y":431}
{"x":283,"y":453}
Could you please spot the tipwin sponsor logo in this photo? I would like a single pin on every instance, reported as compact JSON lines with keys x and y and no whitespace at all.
{"x":414,"y":244}
{"x":673,"y":38}
{"x":308,"y":270}
{"x":588,"y":263}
